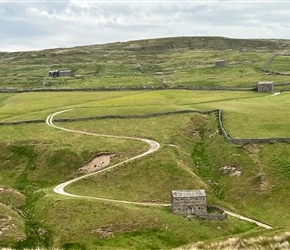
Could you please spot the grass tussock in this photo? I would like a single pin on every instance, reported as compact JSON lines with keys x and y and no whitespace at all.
{"x":277,"y":242}
{"x":37,"y":248}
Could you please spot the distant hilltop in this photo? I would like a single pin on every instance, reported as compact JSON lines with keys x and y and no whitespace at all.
{"x":194,"y":43}
{"x":207,"y":42}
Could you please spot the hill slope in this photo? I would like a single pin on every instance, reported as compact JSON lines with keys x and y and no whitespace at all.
{"x":34,"y":157}
{"x":164,"y":62}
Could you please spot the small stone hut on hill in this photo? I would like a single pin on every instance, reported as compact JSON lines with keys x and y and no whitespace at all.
{"x":265,"y":87}
{"x":66,"y":73}
{"x":221,"y":63}
{"x":188,"y":202}
{"x":56,"y":73}
{"x":53,"y":73}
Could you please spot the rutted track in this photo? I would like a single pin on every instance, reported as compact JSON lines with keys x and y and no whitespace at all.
{"x":154,"y":146}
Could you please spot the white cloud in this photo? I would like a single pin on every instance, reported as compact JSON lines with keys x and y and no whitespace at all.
{"x":43,"y":24}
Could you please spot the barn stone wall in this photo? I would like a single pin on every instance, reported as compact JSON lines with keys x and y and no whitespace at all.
{"x":193,"y":203}
{"x":221,"y":63}
{"x":219,"y":214}
{"x":218,"y":112}
{"x":62,"y":73}
{"x":265,"y":87}
{"x":67,"y":73}
{"x":188,"y":205}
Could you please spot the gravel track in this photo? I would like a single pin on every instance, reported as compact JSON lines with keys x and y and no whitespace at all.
{"x":154,"y":146}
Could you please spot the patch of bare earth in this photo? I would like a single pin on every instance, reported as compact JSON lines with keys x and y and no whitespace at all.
{"x":231,"y":170}
{"x":98,"y":162}
{"x":6,"y":189}
{"x":278,"y":242}
{"x":5,"y":224}
{"x":217,"y":132}
{"x":7,"y":227}
{"x":154,"y":201}
{"x":110,"y":230}
{"x":11,"y":196}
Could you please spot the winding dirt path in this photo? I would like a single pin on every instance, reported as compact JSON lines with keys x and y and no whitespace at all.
{"x":260,"y":224}
{"x":154,"y":146}
{"x":60,"y":188}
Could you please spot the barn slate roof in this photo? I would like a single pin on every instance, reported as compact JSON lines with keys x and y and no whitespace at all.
{"x":188,"y":193}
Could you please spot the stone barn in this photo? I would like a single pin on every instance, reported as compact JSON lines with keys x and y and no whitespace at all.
{"x":55,"y":73}
{"x":241,"y":50}
{"x":221,"y":63}
{"x":265,"y":87}
{"x":66,"y":73}
{"x":189,"y":202}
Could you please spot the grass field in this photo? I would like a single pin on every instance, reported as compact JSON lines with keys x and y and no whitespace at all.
{"x":163,"y":63}
{"x":280,"y":64}
{"x":39,"y":151}
{"x":35,"y":157}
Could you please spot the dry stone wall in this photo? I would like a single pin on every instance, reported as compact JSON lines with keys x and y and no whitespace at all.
{"x":215,"y":214}
{"x":266,"y":68}
{"x":22,"y":122}
{"x":218,"y":112}
{"x":247,"y":140}
{"x":179,"y":87}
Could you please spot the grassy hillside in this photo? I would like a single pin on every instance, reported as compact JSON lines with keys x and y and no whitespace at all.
{"x":280,"y":64}
{"x":34,"y":157}
{"x":191,"y":156}
{"x":168,"y":62}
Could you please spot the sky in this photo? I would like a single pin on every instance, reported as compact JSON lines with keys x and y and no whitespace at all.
{"x":43,"y":24}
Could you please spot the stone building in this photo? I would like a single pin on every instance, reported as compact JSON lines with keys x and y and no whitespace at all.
{"x":241,"y":50}
{"x":265,"y":87}
{"x":66,"y":73}
{"x":221,"y":63}
{"x":55,"y":73}
{"x":188,"y":202}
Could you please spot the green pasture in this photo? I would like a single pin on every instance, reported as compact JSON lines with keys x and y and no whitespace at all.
{"x":198,"y":69}
{"x":90,"y":224}
{"x":208,"y":156}
{"x":36,"y":157}
{"x":280,"y":64}
{"x":245,"y":114}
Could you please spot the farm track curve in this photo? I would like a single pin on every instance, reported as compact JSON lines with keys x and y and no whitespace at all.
{"x":154,"y":146}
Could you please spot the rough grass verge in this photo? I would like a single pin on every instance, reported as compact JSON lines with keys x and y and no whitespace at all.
{"x":277,"y":242}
